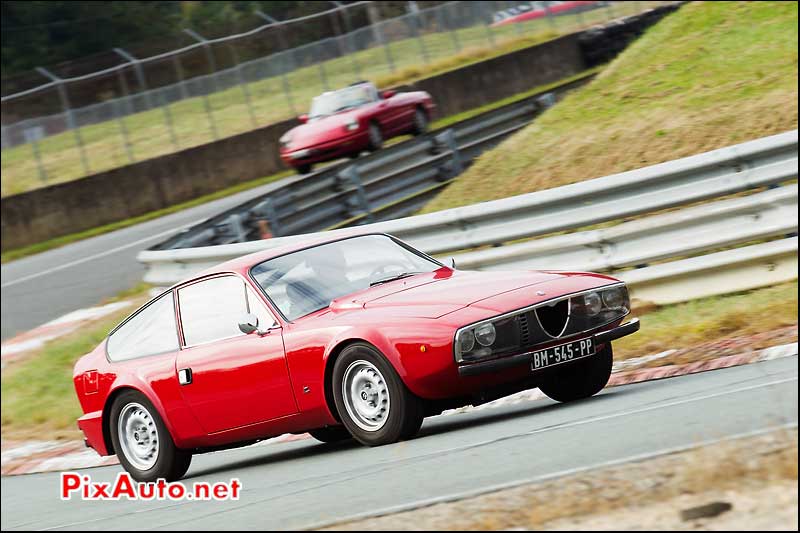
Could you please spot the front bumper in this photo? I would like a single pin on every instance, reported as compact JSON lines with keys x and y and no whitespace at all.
{"x":341,"y":147}
{"x":495,"y":365}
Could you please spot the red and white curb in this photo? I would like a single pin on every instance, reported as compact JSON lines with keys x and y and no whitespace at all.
{"x":17,"y":347}
{"x":34,"y":457}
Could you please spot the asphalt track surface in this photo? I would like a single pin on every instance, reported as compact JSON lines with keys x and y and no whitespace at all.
{"x":303,"y":484}
{"x":42,"y":287}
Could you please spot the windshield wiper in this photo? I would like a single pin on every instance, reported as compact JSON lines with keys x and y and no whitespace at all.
{"x":393,"y":278}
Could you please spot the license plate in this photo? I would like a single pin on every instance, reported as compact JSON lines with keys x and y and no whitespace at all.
{"x":562,"y":353}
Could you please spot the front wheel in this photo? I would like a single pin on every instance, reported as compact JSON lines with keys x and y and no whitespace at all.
{"x":142,"y":442}
{"x":581,"y":379}
{"x":372,"y":401}
{"x":420,"y":122}
{"x":375,"y":137}
{"x":304,"y":169}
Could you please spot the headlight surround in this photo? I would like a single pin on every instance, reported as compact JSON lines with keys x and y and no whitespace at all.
{"x":616,"y":298}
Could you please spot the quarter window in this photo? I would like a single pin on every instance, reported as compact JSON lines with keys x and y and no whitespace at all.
{"x":211,"y":309}
{"x":150,"y":331}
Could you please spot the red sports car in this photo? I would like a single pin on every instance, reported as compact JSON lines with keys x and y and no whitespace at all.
{"x":361,"y":337}
{"x":348,"y":121}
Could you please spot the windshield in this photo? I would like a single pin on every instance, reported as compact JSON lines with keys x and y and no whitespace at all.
{"x":307,"y":280}
{"x":341,"y":100}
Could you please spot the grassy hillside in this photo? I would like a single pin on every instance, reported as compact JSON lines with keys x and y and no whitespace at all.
{"x":710,"y":75}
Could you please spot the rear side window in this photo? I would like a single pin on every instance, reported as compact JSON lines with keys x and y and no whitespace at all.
{"x":150,"y":331}
{"x":211,"y":309}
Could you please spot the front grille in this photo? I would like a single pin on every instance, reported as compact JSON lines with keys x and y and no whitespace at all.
{"x":553,"y":318}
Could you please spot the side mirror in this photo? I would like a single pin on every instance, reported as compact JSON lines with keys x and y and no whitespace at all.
{"x":303,"y":118}
{"x":249,"y":324}
{"x":388,"y":94}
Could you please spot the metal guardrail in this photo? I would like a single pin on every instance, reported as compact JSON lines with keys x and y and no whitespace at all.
{"x":388,"y":184}
{"x":682,"y":236}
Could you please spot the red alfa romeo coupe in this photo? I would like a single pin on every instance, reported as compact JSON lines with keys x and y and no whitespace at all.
{"x":358,"y":337}
{"x":346,"y":122}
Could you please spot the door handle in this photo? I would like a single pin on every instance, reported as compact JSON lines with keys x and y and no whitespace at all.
{"x":185,"y":376}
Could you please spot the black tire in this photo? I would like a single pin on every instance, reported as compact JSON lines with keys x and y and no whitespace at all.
{"x":420,"y":122}
{"x":581,"y":379}
{"x":171,"y":462}
{"x":304,"y":169}
{"x":375,"y":137}
{"x":331,"y":434}
{"x":405,"y":412}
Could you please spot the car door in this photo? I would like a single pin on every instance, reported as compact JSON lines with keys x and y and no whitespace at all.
{"x":230,"y":379}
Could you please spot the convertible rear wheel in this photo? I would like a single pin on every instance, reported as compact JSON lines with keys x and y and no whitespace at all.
{"x":581,"y":379}
{"x":373,"y":402}
{"x":331,"y":434}
{"x":142,"y":442}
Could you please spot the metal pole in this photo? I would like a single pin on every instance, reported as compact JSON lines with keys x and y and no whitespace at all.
{"x":416,"y":27}
{"x":348,"y":28}
{"x":121,"y":116}
{"x":137,"y":65}
{"x":489,"y":33}
{"x":446,"y":27}
{"x":206,"y":102}
{"x":212,"y":65}
{"x":38,"y":157}
{"x":282,"y":39}
{"x":62,"y":94}
{"x":385,"y":42}
{"x":549,"y":14}
{"x":243,"y":85}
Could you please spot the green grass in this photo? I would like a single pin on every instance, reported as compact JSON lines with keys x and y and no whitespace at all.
{"x":149,"y":136}
{"x":710,"y":75}
{"x":19,"y":253}
{"x":38,"y":396}
{"x":691,"y":323}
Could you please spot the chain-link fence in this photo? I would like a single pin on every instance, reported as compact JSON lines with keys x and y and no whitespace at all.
{"x":147,"y":107}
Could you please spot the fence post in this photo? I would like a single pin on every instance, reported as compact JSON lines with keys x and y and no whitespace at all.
{"x":489,"y":33}
{"x":243,"y":85}
{"x":137,"y":65}
{"x":445,"y":26}
{"x":62,"y":94}
{"x":416,"y":27}
{"x":352,"y":176}
{"x":348,"y":33}
{"x":282,"y":39}
{"x":266,"y":209}
{"x":385,"y":42}
{"x":34,"y":141}
{"x":121,"y":116}
{"x":549,"y":15}
{"x":211,"y":65}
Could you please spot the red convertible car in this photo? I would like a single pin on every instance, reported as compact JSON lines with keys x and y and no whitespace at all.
{"x":361,"y":337}
{"x":346,"y":122}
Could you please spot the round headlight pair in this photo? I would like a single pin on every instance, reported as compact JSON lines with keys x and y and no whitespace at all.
{"x":485,"y":335}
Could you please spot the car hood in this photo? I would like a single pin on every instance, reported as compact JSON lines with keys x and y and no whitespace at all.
{"x":435,"y":294}
{"x":321,"y":130}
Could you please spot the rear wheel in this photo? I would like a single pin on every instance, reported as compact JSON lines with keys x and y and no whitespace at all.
{"x":372,"y":401}
{"x":581,"y":379}
{"x":331,"y":434}
{"x":142,"y":442}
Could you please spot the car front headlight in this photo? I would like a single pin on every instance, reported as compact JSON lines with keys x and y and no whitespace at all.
{"x":486,"y":334}
{"x":352,"y":125}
